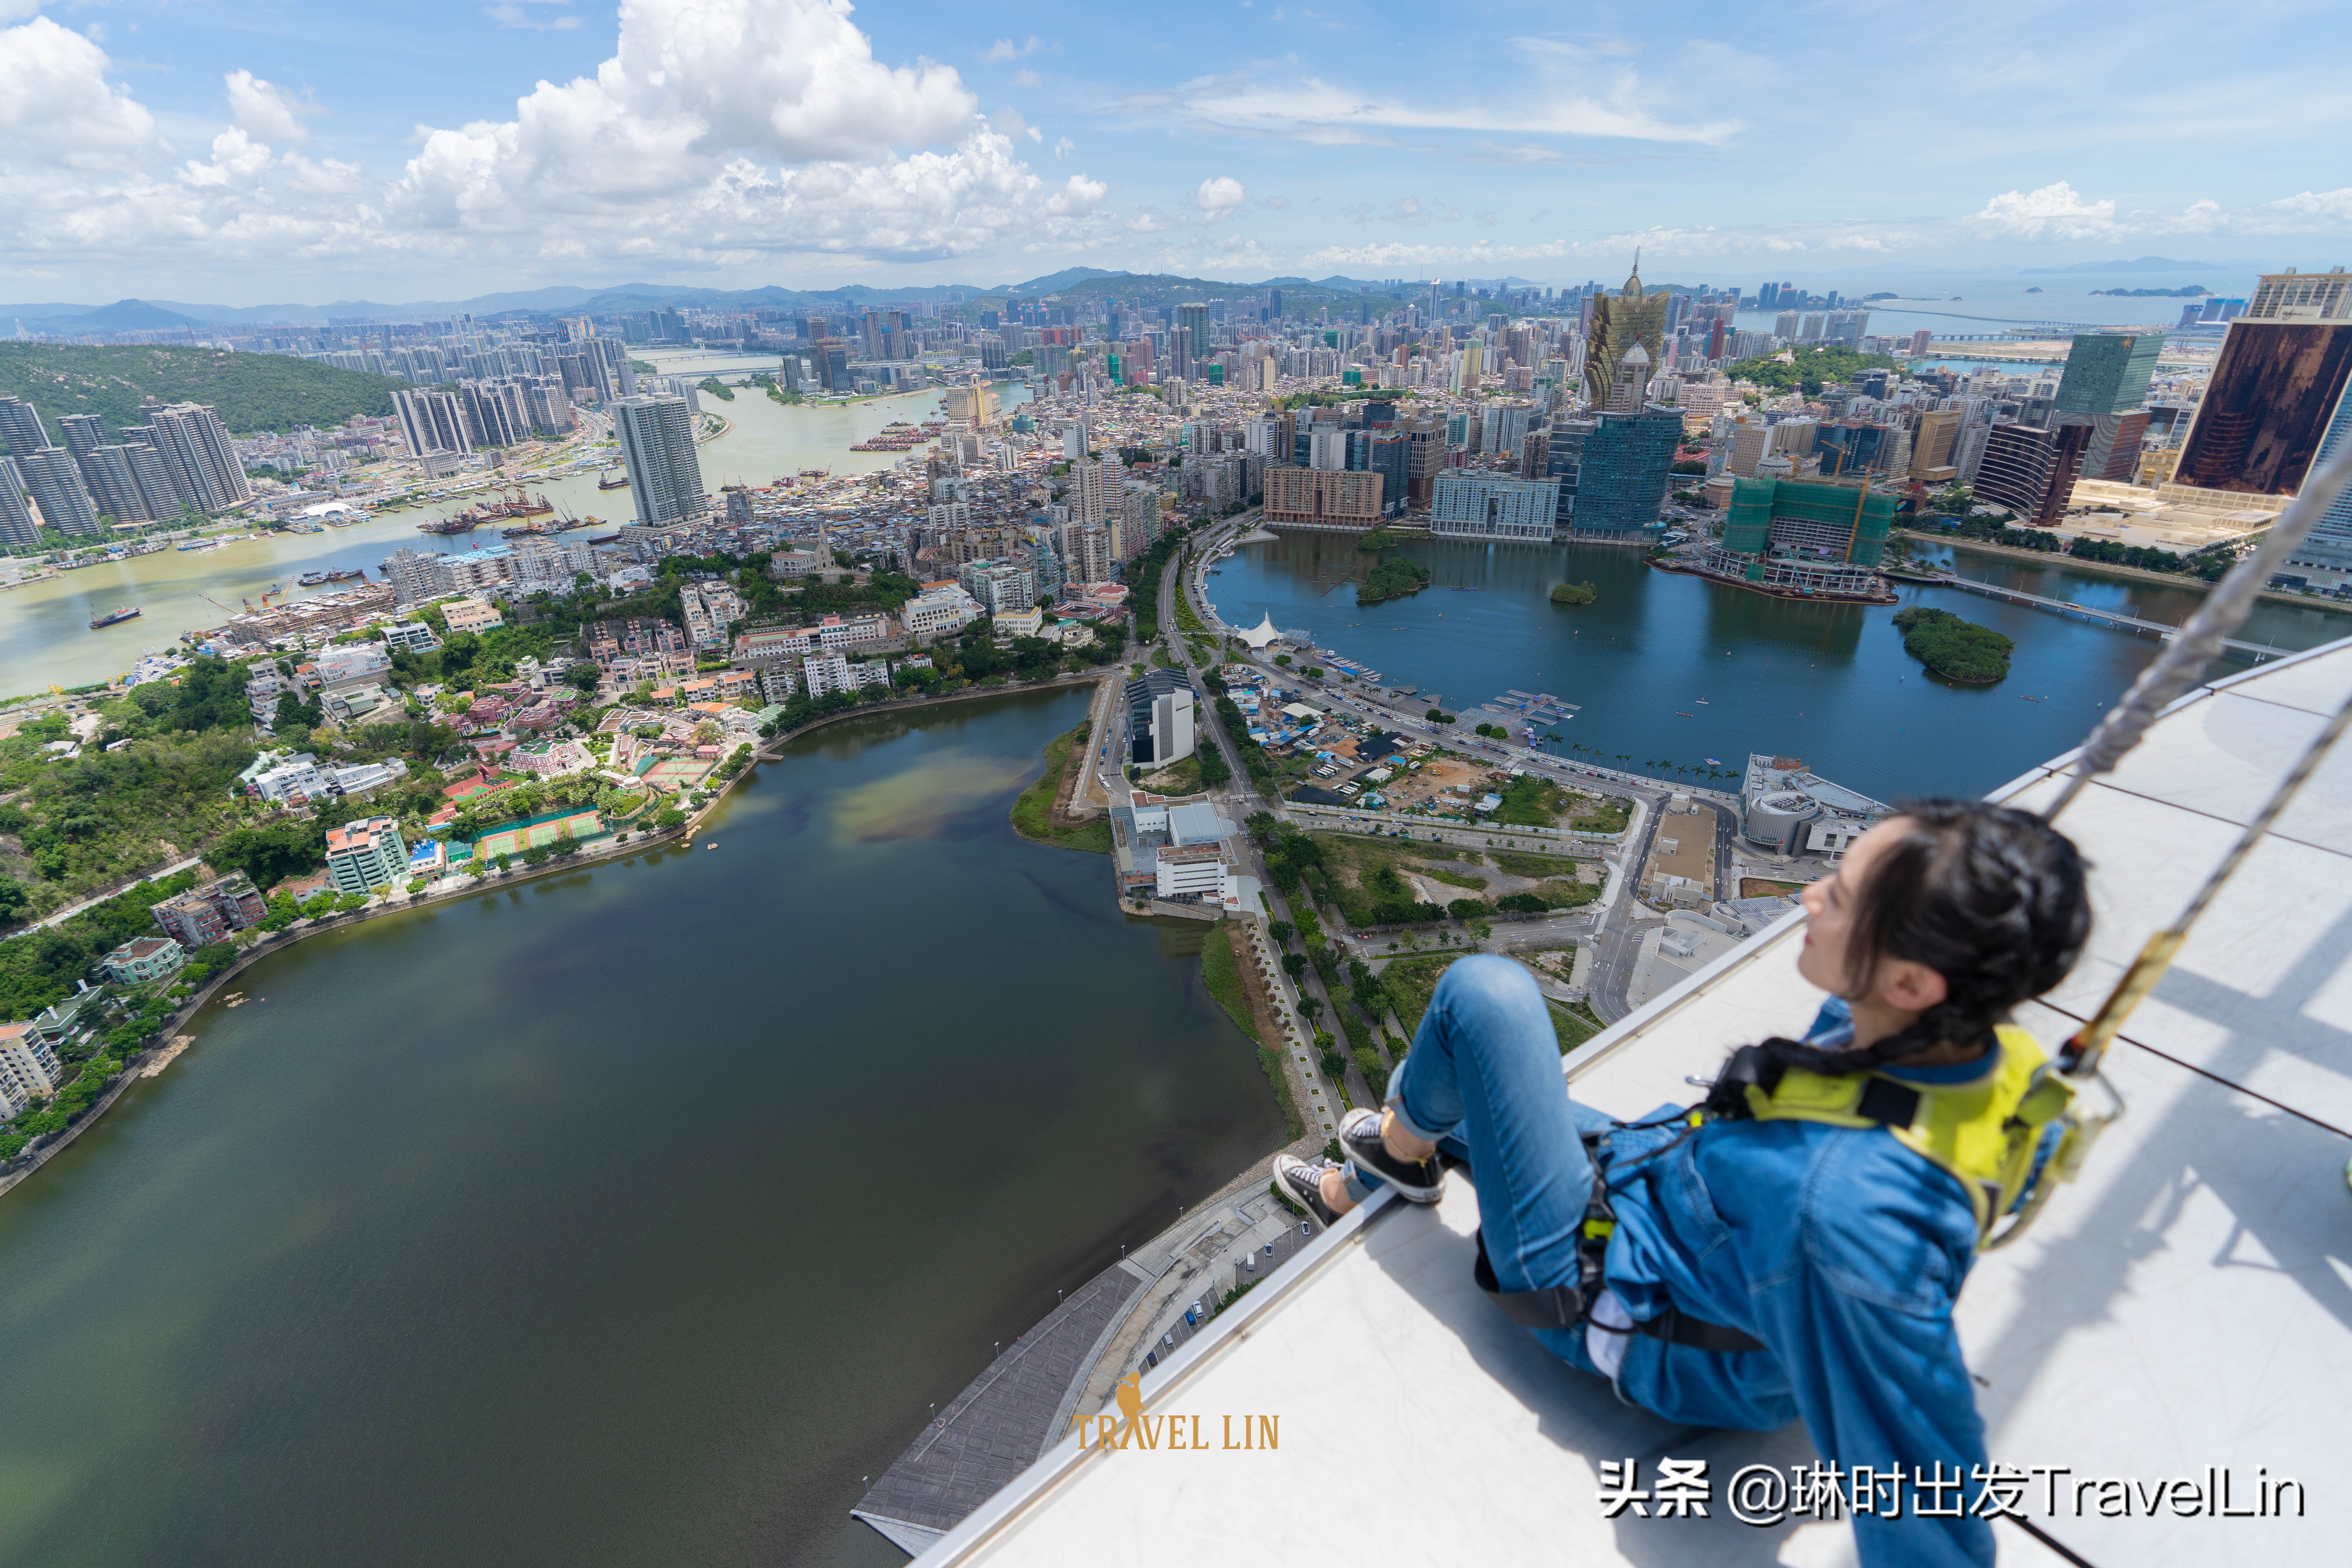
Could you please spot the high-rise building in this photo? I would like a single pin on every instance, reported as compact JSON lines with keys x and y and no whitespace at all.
{"x":656,"y":436}
{"x":2114,"y":446}
{"x":1138,"y":519}
{"x":1632,"y":318}
{"x":115,"y":489}
{"x":1931,"y":446}
{"x":20,"y":426}
{"x":415,"y":575}
{"x":56,"y":481}
{"x":84,"y":432}
{"x":2032,"y":470}
{"x":1322,"y":501}
{"x":2108,"y":372}
{"x":2277,"y":390}
{"x":1816,"y":535}
{"x":1192,"y":328}
{"x":17,"y":525}
{"x":1389,"y":454}
{"x":365,"y":853}
{"x":195,"y":444}
{"x":2326,"y":552}
{"x":1614,"y":470}
{"x":1159,"y":718}
{"x":163,"y":497}
{"x":1629,"y":382}
{"x":1089,"y":553}
{"x":1467,"y":504}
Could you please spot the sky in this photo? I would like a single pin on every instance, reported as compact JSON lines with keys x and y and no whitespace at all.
{"x":269,"y":152}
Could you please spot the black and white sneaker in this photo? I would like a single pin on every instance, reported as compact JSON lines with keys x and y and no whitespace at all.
{"x":1415,"y":1181}
{"x":1299,"y":1184}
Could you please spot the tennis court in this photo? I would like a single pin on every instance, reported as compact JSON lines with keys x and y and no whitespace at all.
{"x":679,"y":773}
{"x":519,"y":836}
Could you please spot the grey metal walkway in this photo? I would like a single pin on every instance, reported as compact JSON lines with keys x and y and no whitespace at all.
{"x":2105,"y":617}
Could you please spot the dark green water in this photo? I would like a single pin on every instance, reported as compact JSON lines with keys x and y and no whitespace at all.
{"x":1676,"y":669}
{"x":626,"y":1217}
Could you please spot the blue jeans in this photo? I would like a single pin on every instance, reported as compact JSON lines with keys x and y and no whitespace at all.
{"x":1482,"y":1082}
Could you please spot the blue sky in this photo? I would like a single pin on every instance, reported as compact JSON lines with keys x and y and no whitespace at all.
{"x":265,"y":150}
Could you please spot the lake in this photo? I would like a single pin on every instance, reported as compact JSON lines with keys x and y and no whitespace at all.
{"x":1675,"y":668}
{"x":629,"y":1216}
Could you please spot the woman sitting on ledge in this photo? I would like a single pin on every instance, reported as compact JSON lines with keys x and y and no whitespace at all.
{"x":1794,"y":1254}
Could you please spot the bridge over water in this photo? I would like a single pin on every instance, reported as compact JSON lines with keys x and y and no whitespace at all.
{"x":2104,"y":617}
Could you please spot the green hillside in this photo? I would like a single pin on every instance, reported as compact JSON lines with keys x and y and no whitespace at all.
{"x":250,"y":392}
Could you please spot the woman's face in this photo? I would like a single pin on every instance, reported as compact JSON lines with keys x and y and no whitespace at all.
{"x":1830,"y":906}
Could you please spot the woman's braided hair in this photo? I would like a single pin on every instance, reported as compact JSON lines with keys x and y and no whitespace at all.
{"x":1991,"y":898}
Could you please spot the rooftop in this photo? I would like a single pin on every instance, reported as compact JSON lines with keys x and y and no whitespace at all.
{"x":2181,"y":1309}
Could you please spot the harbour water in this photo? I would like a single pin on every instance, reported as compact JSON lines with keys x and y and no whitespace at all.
{"x":45,"y":636}
{"x":1675,"y":670}
{"x":629,"y":1216}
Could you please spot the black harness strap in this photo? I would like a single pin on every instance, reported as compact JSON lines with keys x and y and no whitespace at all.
{"x":1565,"y":1306}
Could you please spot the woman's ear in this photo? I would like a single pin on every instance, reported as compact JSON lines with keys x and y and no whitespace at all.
{"x":1911,"y":986}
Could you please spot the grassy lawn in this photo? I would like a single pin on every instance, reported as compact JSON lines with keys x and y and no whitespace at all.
{"x":1765,"y":887}
{"x":1532,"y":802}
{"x":1033,"y":812}
{"x":1186,"y":620}
{"x":1221,"y":968}
{"x":1609,"y":816}
{"x":1411,"y":982}
{"x":1181,"y":776}
{"x":1223,"y":972}
{"x":1518,"y":863}
{"x":1457,"y":880}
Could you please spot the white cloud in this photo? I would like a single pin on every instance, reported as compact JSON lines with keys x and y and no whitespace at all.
{"x":516,"y":14}
{"x":2057,"y":212}
{"x":1219,"y":197}
{"x":720,"y":132}
{"x":270,"y":113}
{"x":1026,"y":78}
{"x":1078,"y":196}
{"x":1063,"y":147}
{"x":17,"y":10}
{"x":57,"y":108}
{"x":1005,"y":49}
{"x":2052,"y":212}
{"x":1568,"y":91}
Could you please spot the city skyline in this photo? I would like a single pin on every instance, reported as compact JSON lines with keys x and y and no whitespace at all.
{"x":193,"y":153}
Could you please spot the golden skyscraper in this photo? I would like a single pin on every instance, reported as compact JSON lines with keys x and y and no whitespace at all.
{"x":1633,"y":317}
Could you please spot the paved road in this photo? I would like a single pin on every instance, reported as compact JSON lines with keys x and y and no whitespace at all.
{"x":173,"y":869}
{"x":1238,"y":799}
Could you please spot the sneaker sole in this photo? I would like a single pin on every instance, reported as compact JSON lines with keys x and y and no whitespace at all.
{"x":1315,"y":1206}
{"x":1411,"y":1192}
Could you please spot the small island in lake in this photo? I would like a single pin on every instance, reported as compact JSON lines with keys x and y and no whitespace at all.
{"x":1392,"y":579}
{"x":1954,"y":648}
{"x":1574,"y":593}
{"x":1378,"y":539}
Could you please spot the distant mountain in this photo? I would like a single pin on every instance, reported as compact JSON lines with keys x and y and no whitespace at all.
{"x":136,"y":315}
{"x":133,"y":316}
{"x":2141,"y":264}
{"x":251,"y":392}
{"x":1054,"y":282}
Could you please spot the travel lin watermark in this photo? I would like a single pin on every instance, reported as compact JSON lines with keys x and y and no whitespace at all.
{"x":1131,"y":1428}
{"x":1763,"y":1495}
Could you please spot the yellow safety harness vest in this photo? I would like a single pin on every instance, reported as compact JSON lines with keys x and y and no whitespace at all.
{"x":1984,"y":1132}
